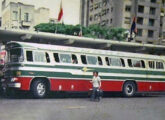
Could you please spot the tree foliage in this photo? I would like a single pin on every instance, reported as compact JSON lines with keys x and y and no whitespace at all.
{"x":93,"y":31}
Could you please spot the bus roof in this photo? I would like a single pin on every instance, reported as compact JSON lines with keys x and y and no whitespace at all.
{"x":7,"y":35}
{"x":35,"y":46}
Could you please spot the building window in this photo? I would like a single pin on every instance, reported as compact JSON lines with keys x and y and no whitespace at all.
{"x":104,"y":3}
{"x":150,"y":42}
{"x":152,"y":11}
{"x":127,"y":20}
{"x":96,"y":17}
{"x":91,"y":18}
{"x":111,"y":20}
{"x":108,"y":10}
{"x":15,"y":15}
{"x":139,"y":32}
{"x":141,"y":9}
{"x":153,"y":1}
{"x":140,"y":20}
{"x":96,"y":6}
{"x":151,"y":22}
{"x":104,"y":12}
{"x":150,"y":33}
{"x":127,"y":8}
{"x":111,"y":9}
{"x":138,"y":41}
{"x":91,"y":8}
{"x":26,"y":17}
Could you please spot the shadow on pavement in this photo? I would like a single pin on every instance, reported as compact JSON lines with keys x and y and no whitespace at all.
{"x":62,"y":95}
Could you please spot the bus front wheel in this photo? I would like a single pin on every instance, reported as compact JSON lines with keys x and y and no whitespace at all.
{"x":129,"y":89}
{"x":39,"y":88}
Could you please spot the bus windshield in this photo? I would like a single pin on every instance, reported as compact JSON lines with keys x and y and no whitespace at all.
{"x":16,"y":55}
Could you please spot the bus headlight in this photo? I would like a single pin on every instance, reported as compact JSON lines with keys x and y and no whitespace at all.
{"x":14,"y":79}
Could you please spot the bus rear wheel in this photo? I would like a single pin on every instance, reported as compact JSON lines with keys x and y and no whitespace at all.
{"x":129,"y":89}
{"x":39,"y":88}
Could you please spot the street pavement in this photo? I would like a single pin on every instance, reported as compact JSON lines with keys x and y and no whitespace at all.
{"x":81,"y":108}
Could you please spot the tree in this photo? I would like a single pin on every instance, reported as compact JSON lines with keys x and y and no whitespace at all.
{"x":93,"y":31}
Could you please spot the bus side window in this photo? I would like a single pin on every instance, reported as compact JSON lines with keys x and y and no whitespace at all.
{"x":159,"y":65}
{"x":129,"y":63}
{"x":39,"y":57}
{"x":151,"y":64}
{"x":56,"y":57}
{"x":107,"y":61}
{"x":65,"y":58}
{"x":122,"y":62}
{"x":136,"y":63}
{"x":74,"y":59}
{"x":143,"y":64}
{"x":83,"y":59}
{"x":100,"y":61}
{"x":29,"y":56}
{"x":47,"y":57}
{"x":92,"y":60}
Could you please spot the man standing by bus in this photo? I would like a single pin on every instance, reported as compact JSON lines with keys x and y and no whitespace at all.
{"x":96,"y":82}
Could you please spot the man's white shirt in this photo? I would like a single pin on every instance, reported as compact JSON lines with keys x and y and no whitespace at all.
{"x":96,"y":81}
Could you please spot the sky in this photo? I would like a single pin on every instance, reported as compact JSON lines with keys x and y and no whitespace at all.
{"x":70,"y":8}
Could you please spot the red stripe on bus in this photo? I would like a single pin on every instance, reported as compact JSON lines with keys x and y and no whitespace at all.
{"x":151,"y":86}
{"x":85,"y":85}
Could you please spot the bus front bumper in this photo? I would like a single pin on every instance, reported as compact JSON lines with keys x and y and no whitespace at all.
{"x":14,"y":85}
{"x":11,"y":85}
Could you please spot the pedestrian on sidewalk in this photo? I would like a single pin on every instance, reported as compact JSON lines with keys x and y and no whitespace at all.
{"x":96,"y":82}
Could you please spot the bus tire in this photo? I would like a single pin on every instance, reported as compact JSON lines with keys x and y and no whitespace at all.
{"x":39,"y":88}
{"x":129,"y":89}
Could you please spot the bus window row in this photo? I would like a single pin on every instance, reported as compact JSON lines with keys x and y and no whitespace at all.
{"x":38,"y":56}
{"x":155,"y":65}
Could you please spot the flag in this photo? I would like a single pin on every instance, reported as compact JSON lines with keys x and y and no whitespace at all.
{"x":60,"y":12}
{"x":133,"y":26}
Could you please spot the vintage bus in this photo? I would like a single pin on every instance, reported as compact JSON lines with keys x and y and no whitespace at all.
{"x":40,"y":68}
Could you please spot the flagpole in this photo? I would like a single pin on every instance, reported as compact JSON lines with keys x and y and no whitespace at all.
{"x":62,"y":15}
{"x":56,"y":29}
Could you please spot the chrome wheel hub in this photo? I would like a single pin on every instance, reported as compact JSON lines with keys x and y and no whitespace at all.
{"x":129,"y":89}
{"x":41,"y":89}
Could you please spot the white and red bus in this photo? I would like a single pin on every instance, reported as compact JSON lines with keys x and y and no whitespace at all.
{"x":40,"y":68}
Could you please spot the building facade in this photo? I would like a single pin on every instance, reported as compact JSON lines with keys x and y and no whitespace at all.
{"x":17,"y":15}
{"x":97,"y":12}
{"x":0,"y":21}
{"x":162,"y":22}
{"x":120,"y":13}
{"x":148,"y":21}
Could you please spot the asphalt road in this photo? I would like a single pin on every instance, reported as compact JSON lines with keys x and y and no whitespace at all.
{"x":80,"y":108}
